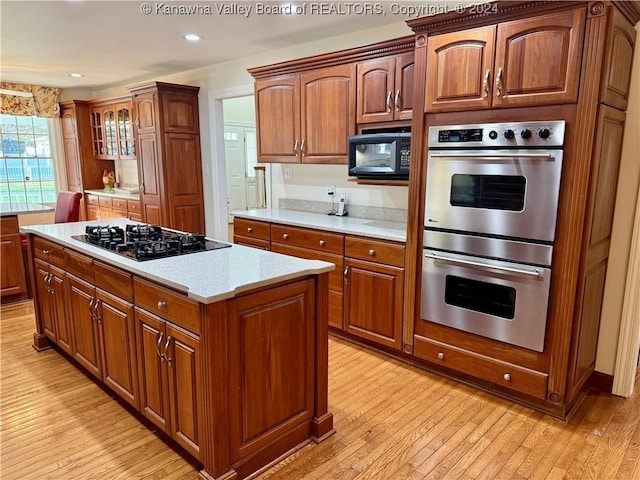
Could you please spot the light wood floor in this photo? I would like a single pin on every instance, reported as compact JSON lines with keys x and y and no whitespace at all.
{"x":394,"y":422}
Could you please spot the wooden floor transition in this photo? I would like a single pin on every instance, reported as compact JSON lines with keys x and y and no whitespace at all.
{"x":394,"y":421}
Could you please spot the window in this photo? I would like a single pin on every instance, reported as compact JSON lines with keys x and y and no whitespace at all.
{"x":26,"y":161}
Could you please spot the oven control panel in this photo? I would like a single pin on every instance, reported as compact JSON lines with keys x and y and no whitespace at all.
{"x":548,"y":134}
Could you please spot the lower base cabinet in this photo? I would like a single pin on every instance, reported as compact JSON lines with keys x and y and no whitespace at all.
{"x":169,"y":366}
{"x":12,"y":277}
{"x":50,"y":293}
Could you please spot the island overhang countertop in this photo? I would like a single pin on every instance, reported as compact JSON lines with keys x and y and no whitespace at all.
{"x":206,"y":277}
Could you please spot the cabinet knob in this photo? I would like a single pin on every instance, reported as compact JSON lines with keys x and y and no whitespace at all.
{"x":162,"y":304}
{"x":372,"y":252}
{"x":507,"y":377}
{"x":285,"y":235}
{"x":321,"y":243}
{"x":249,"y":229}
{"x":440,"y":356}
{"x":45,"y":252}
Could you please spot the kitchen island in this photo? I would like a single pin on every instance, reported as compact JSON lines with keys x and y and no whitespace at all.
{"x":224,"y":350}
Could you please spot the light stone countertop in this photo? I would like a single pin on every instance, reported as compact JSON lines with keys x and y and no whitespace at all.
{"x":206,"y":277}
{"x":9,"y":209}
{"x":115,"y":194}
{"x":382,"y":229}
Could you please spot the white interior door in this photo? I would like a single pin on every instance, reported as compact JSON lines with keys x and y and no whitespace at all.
{"x":234,"y":150}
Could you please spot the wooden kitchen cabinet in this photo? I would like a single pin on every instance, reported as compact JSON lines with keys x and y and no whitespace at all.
{"x":306,"y":117}
{"x":103,"y":207}
{"x":13,"y":281}
{"x":112,"y":129}
{"x":373,"y":290}
{"x":252,"y":233}
{"x":169,"y":364}
{"x":532,"y":61}
{"x":50,"y":286}
{"x":316,"y":245}
{"x":385,"y":89}
{"x":168,"y":155}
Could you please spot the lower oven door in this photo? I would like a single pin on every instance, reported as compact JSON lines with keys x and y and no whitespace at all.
{"x":496,"y":299}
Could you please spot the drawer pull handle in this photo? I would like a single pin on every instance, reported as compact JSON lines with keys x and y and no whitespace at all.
{"x":249,"y":229}
{"x":285,"y":236}
{"x":162,"y":304}
{"x":166,"y":348}
{"x":440,"y":356}
{"x":372,"y":252}
{"x":158,"y":343}
{"x":45,"y":252}
{"x":507,"y":377}
{"x":321,"y":243}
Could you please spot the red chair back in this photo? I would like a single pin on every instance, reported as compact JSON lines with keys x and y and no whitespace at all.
{"x":68,"y":207}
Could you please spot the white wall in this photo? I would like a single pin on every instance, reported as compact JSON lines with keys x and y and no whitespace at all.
{"x":240,"y":110}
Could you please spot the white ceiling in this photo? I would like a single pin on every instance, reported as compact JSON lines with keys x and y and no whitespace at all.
{"x":114,"y":43}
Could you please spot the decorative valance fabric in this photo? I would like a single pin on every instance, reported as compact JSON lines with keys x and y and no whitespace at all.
{"x":37,"y":100}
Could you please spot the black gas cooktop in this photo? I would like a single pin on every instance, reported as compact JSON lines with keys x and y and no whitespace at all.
{"x":147,"y":242}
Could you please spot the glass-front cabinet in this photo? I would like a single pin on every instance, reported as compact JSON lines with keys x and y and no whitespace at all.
{"x":112,"y":131}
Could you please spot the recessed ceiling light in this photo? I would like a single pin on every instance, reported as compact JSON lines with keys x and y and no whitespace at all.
{"x":76,"y":75}
{"x":192,"y":37}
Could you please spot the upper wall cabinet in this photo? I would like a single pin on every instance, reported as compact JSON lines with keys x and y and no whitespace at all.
{"x":306,"y":117}
{"x":385,"y":89}
{"x":112,"y":131}
{"x":532,"y":61}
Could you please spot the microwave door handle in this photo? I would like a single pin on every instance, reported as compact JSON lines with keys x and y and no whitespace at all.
{"x":491,"y":156}
{"x":435,"y":256}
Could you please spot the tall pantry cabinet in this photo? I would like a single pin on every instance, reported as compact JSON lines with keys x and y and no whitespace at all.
{"x":168,"y":151}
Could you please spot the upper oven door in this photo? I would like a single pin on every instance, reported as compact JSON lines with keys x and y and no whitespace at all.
{"x":512,"y":193}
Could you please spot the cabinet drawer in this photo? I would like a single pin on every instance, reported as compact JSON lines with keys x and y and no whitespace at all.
{"x":167,"y":304}
{"x":306,"y":238}
{"x":119,"y":204}
{"x":375,"y":250}
{"x":133,"y":206}
{"x":92,"y":199}
{"x":105,"y":202}
{"x":335,"y":275}
{"x":114,"y":281}
{"x":78,"y":264}
{"x":497,"y":372}
{"x":251,"y":228}
{"x":252,"y":242}
{"x":48,"y":251}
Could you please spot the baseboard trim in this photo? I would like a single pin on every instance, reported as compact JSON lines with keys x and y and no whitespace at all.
{"x":601,"y":381}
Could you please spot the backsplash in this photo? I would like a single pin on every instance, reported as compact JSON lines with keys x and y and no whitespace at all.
{"x":127,"y":172}
{"x":358,"y":211}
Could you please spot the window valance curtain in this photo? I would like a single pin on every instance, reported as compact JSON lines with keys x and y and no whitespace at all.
{"x":35,"y":100}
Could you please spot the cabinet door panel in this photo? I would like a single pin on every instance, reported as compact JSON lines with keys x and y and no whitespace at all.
{"x":328,"y":104}
{"x":118,"y":346}
{"x":64,"y":327}
{"x":12,"y":276}
{"x":278,"y":119}
{"x":145,"y":112}
{"x":373,"y":302}
{"x":154,"y":401}
{"x":72,"y":164}
{"x":540,"y":58}
{"x":81,"y":296}
{"x":403,"y":99}
{"x":376,"y":90}
{"x":183,"y":361}
{"x":183,"y":178}
{"x":45,"y":301}
{"x":459,"y":66}
{"x":149,"y":174}
{"x":616,"y":78}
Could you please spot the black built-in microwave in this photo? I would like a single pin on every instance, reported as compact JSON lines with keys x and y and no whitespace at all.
{"x":380,"y":155}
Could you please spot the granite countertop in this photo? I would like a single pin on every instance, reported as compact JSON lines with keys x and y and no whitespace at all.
{"x":206,"y":277}
{"x":123,"y":194}
{"x":9,"y":209}
{"x":382,"y":229}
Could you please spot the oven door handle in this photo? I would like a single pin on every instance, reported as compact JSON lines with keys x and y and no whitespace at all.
{"x":491,"y":156}
{"x":534,"y":273}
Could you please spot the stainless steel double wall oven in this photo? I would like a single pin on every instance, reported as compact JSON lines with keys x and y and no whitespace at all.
{"x":490,"y":219}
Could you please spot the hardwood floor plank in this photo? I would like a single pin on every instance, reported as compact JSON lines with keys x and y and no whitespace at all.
{"x":394,"y":422}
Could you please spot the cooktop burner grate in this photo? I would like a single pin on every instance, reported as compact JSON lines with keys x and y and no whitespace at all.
{"x":147,"y":242}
